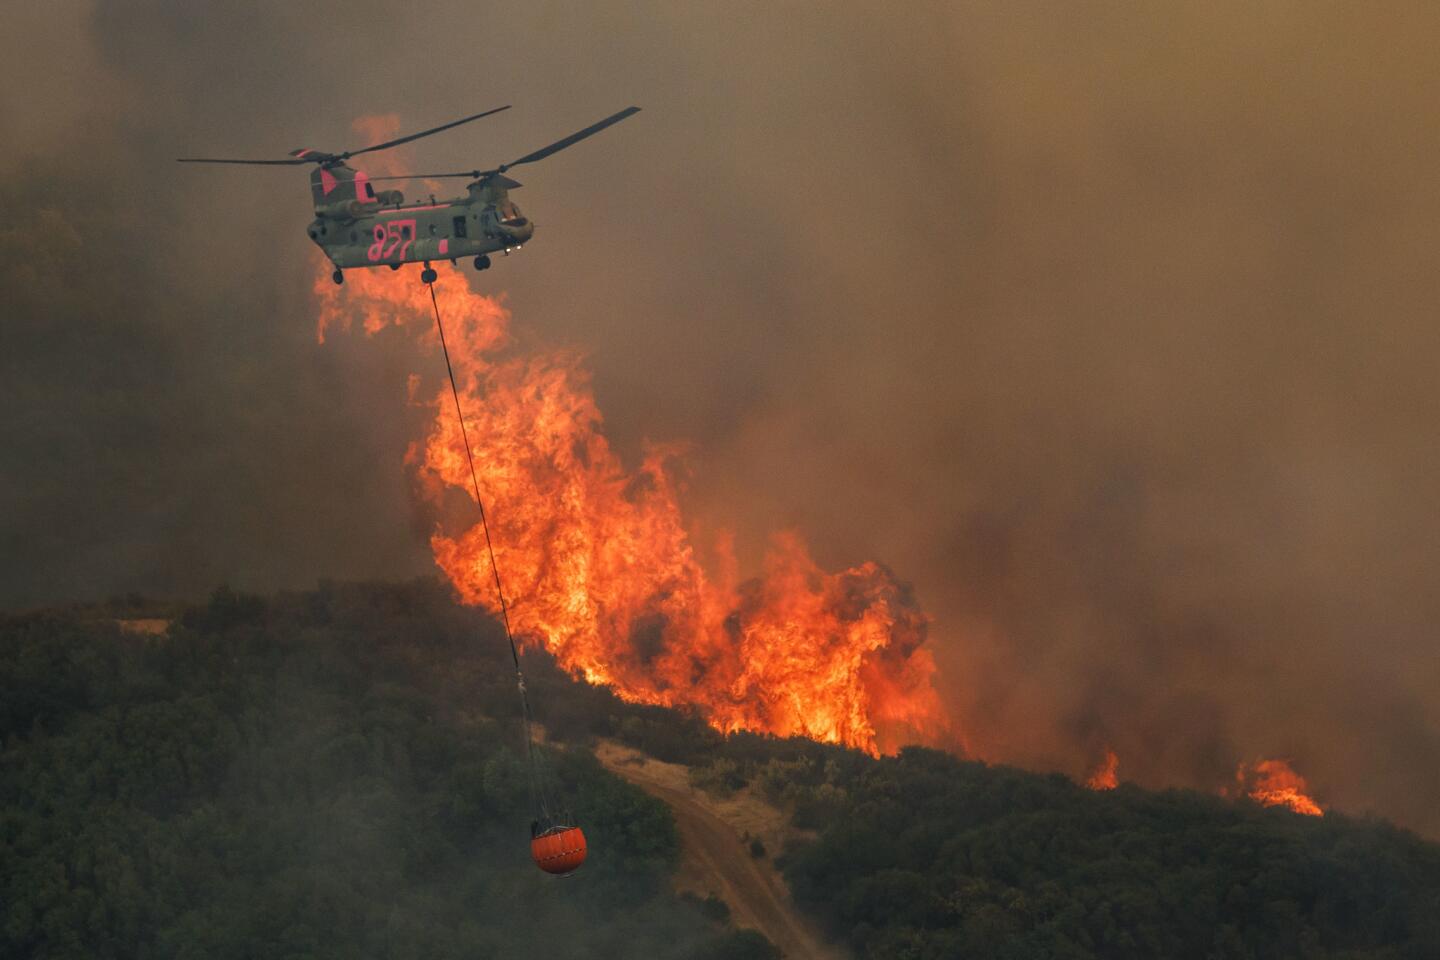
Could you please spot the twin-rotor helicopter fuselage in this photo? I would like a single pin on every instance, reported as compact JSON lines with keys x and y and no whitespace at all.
{"x":357,"y":225}
{"x":378,"y":228}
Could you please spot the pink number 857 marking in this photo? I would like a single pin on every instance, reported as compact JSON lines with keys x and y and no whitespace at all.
{"x":390,"y":237}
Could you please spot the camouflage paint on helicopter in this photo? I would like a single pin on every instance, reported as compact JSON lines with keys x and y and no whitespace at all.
{"x":358,"y":226}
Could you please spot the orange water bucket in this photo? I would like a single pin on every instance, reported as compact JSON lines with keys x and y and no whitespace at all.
{"x":559,"y":850}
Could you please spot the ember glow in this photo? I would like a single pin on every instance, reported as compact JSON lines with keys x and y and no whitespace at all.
{"x":1272,"y":783}
{"x":1103,"y":776}
{"x":600,"y":567}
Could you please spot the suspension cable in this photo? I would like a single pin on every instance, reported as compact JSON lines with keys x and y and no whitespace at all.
{"x":475,"y":481}
{"x":538,"y":796}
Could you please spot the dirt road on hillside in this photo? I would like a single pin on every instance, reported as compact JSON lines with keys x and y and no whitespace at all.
{"x":716,"y":860}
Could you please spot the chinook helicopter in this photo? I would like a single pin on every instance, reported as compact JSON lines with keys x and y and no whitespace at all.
{"x":357,"y":226}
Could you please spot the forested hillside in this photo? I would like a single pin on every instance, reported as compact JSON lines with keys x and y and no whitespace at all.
{"x":338,"y":774}
{"x":335,"y":774}
{"x":928,"y":857}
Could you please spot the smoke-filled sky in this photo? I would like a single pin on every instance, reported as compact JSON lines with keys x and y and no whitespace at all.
{"x":1112,"y":327}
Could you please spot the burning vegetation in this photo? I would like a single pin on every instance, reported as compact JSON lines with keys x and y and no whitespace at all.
{"x":603,"y":571}
{"x":600,"y":566}
{"x":1103,"y":775}
{"x":1273,"y":783}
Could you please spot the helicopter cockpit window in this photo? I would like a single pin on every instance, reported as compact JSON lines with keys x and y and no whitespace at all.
{"x":510,"y":215}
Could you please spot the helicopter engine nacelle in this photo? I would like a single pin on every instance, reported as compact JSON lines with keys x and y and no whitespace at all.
{"x":341,"y":210}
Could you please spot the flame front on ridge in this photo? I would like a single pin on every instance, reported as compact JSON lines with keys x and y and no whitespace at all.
{"x":1104,"y":775}
{"x":597,"y":562}
{"x":1273,"y":783}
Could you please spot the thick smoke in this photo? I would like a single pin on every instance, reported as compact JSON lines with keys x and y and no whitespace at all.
{"x":1111,"y":326}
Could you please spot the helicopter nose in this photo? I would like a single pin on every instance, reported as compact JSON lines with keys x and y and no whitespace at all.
{"x":519,"y":230}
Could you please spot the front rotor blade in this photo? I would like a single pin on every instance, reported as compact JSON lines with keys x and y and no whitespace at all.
{"x":468,"y":174}
{"x":289,"y":162}
{"x":573,"y":139}
{"x":423,"y":133}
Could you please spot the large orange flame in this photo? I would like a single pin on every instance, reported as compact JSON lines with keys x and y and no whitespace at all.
{"x":1273,"y":783}
{"x":599,"y":566}
{"x":1104,"y":775}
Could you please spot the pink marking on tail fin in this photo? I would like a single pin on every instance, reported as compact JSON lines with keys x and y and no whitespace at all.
{"x":327,"y":181}
{"x":361,"y":182}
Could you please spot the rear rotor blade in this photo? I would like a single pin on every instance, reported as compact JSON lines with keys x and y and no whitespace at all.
{"x":313,"y":156}
{"x":416,"y":136}
{"x":571,"y":140}
{"x":290,"y":162}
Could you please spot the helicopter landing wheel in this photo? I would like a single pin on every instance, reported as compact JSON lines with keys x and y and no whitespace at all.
{"x":482,"y":262}
{"x":393,"y":266}
{"x":428,"y":276}
{"x":338,"y":277}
